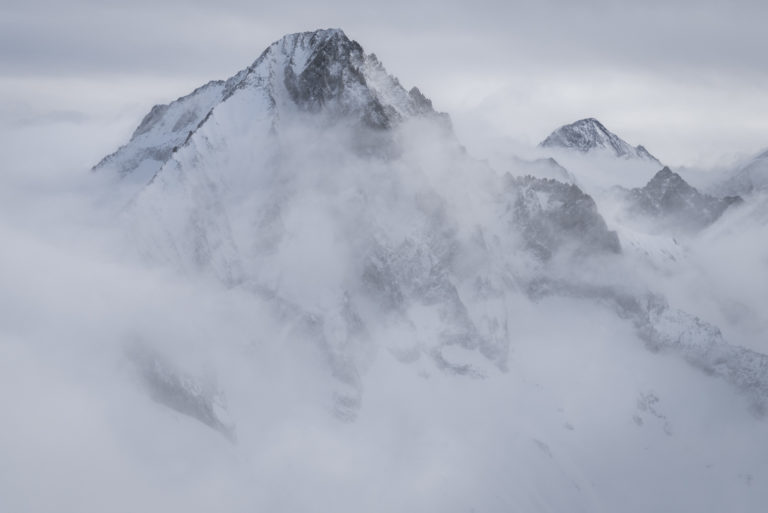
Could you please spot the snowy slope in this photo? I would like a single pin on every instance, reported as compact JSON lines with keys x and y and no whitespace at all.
{"x":162,"y":130}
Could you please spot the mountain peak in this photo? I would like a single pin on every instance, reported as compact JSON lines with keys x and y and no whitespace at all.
{"x":588,"y":135}
{"x":590,"y":121}
{"x":313,"y":37}
{"x":300,"y":46}
{"x":666,"y":175}
{"x":675,"y":204}
{"x":321,"y":71}
{"x":667,"y":180}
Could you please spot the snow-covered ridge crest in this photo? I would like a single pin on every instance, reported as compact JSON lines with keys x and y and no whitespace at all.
{"x":587,"y":135}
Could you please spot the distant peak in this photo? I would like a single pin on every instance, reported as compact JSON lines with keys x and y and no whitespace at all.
{"x":667,"y":176}
{"x":588,"y":134}
{"x":680,"y":206}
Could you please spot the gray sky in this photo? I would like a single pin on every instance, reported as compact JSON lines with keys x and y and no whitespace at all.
{"x":687,"y":79}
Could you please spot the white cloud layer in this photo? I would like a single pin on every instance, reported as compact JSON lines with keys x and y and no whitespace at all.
{"x":580,"y":415}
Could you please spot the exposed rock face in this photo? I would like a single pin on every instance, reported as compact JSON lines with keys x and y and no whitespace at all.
{"x":588,"y":135}
{"x":554,"y":216}
{"x":672,"y":204}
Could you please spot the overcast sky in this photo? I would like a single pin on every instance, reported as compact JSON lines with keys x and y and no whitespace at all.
{"x":687,"y":79}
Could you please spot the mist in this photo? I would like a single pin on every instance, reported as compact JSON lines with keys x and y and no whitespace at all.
{"x":315,"y":313}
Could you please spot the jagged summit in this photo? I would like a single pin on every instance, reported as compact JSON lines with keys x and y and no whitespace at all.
{"x":667,"y":180}
{"x":554,"y":215}
{"x":587,"y":135}
{"x":301,"y":45}
{"x":308,"y":72}
{"x":676,"y":205}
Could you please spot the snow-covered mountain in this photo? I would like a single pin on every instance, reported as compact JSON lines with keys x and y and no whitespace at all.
{"x":369,"y":264}
{"x":288,"y":179}
{"x":307,"y":72}
{"x":669,"y":203}
{"x":553,"y":216}
{"x":589,"y":135}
